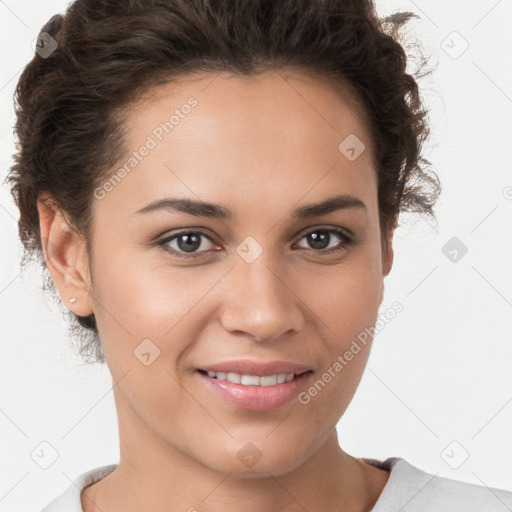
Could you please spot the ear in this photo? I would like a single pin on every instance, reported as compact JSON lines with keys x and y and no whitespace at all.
{"x":388,"y":257}
{"x":65,"y":256}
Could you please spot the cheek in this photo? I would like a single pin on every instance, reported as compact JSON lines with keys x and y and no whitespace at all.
{"x":347,"y":303}
{"x":142,"y":299}
{"x":347,"y":298}
{"x":146,"y":296}
{"x":346,"y":314}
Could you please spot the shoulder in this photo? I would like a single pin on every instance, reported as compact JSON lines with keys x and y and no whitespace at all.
{"x":69,"y":500}
{"x":411,"y":489}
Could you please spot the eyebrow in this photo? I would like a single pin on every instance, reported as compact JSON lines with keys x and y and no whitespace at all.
{"x":212,"y":210}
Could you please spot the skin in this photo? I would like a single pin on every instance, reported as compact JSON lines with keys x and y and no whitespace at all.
{"x":261,"y":146}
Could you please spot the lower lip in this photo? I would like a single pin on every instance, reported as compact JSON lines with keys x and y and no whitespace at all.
{"x":256,"y":398}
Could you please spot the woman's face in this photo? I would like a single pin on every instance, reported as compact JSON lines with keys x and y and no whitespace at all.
{"x":263,"y":284}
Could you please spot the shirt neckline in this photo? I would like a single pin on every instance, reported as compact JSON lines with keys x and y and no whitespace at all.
{"x":71,"y":499}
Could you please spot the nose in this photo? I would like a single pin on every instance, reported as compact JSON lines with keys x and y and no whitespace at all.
{"x":260,"y":302}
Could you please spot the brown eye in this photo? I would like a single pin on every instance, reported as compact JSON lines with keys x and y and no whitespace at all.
{"x":186,"y":244}
{"x":322,"y":239}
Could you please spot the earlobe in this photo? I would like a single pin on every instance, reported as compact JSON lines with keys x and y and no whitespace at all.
{"x":65,"y":257}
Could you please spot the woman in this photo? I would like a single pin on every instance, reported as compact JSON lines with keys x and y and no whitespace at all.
{"x":214,"y":187}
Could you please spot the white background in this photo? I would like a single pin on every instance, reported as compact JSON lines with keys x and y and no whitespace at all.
{"x":438,"y":373}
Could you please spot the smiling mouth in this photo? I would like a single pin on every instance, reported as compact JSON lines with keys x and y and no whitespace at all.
{"x":253,"y":380}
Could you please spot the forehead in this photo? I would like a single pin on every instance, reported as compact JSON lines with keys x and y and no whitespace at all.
{"x":287,"y":101}
{"x":247,"y":136}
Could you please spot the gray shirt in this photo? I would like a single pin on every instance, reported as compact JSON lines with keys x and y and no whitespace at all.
{"x":408,"y":489}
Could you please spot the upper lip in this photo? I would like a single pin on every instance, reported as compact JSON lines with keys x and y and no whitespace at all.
{"x":261,"y":368}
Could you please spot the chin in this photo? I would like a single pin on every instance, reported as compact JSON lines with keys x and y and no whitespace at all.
{"x":259,"y":470}
{"x":247,"y":460}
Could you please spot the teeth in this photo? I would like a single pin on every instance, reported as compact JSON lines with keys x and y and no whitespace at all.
{"x":252,"y":380}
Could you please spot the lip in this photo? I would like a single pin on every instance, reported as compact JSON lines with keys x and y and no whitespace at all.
{"x":256,"y":398}
{"x":261,"y":368}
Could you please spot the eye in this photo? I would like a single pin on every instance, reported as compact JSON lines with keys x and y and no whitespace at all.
{"x":320,"y":240}
{"x":191,"y":244}
{"x":186,"y":244}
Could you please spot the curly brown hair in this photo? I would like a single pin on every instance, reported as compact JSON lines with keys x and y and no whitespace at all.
{"x":107,"y":53}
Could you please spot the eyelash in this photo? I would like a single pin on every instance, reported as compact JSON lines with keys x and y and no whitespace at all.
{"x":346,"y":241}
